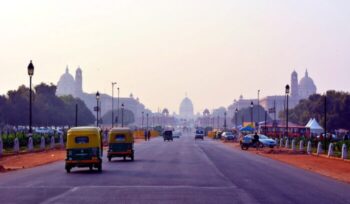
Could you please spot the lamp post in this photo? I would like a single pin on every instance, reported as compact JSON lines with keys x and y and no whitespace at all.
{"x":30,"y":73}
{"x":287,"y":96}
{"x":236,"y":115}
{"x":251,"y":113}
{"x":122,"y":114}
{"x":325,"y":121}
{"x":118,"y":107}
{"x":147,"y":121}
{"x":113,"y":83}
{"x":258,"y":105}
{"x":97,"y":107}
{"x":142,"y":119}
{"x":225,"y":120}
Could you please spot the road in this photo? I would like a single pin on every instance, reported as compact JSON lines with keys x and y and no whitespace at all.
{"x":183,"y":171}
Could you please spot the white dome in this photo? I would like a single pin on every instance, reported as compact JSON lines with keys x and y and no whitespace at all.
{"x":186,"y":108}
{"x":66,"y":84}
{"x":307,"y":86}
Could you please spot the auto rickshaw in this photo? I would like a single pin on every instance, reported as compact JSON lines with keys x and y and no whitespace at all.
{"x":84,"y":148}
{"x":120,"y":143}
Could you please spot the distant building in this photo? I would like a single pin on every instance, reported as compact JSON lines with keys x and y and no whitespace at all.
{"x":68,"y":85}
{"x":186,"y":109}
{"x":299,"y":90}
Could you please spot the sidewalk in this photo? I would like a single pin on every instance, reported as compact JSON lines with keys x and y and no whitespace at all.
{"x":29,"y":160}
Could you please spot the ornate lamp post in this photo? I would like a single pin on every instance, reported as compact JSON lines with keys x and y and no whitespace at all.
{"x":225,"y":121}
{"x":142,"y":119}
{"x":30,"y":73}
{"x":113,"y":83}
{"x":97,"y":107}
{"x":236,"y":114}
{"x":251,"y":113}
{"x":122,"y":114}
{"x":287,"y":96}
{"x":259,"y":106}
{"x":118,"y":108}
{"x":147,"y":121}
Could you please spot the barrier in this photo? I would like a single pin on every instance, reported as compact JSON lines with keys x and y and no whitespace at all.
{"x":344,"y":152}
{"x":301,"y":145}
{"x":16,"y":145}
{"x":309,"y":148}
{"x":293,"y":145}
{"x":42,"y":143}
{"x":281,"y":142}
{"x":30,"y":144}
{"x":287,"y":144}
{"x":330,"y":150}
{"x":52,"y":142}
{"x":319,"y":148}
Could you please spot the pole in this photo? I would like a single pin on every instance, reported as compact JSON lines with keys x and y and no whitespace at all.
{"x":122,"y":115}
{"x":118,"y":107}
{"x":113,"y":83}
{"x":147,"y":121}
{"x":30,"y":104}
{"x":325,"y":121}
{"x":265,"y":122}
{"x":142,"y":120}
{"x":225,"y":121}
{"x":76,"y":115}
{"x":251,"y":116}
{"x":97,"y":109}
{"x":258,"y":105}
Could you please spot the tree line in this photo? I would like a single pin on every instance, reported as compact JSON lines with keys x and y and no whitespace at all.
{"x":335,"y":104}
{"x":48,"y":109}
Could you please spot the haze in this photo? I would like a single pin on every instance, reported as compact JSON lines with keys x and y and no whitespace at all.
{"x":159,"y":50}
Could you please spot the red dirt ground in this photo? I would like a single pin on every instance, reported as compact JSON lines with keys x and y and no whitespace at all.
{"x":332,"y":167}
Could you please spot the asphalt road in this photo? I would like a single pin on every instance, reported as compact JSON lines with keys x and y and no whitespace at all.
{"x":182,"y":171}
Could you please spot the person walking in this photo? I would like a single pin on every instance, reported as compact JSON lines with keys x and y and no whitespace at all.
{"x":148,"y":135}
{"x":256,"y":141}
{"x":145,"y":135}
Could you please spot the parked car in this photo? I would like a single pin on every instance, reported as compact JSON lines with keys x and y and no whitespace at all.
{"x":176,"y":134}
{"x":228,"y":136}
{"x":44,"y":130}
{"x":199,"y":134}
{"x":264,"y":141}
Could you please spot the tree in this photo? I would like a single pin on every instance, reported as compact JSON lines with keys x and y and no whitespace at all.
{"x":128,"y":116}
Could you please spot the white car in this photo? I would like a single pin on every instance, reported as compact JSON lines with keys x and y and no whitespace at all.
{"x":176,"y":134}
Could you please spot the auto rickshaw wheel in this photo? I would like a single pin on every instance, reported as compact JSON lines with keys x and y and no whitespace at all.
{"x":132,"y":157}
{"x":68,"y":169}
{"x":99,"y":168}
{"x":90,"y":167}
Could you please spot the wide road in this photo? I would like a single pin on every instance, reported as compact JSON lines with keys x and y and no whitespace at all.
{"x":182,"y":171}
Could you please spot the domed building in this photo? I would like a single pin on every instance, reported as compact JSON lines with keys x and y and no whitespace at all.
{"x":186,"y":109}
{"x":66,"y":84}
{"x":306,"y":87}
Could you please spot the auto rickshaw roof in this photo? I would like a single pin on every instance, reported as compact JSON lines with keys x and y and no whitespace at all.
{"x":120,"y":129}
{"x":84,"y":129}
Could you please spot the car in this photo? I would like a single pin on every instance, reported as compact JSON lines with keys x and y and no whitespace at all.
{"x":168,"y":135}
{"x":264,"y":141}
{"x":228,"y":136}
{"x":176,"y":134}
{"x":44,"y":130}
{"x":199,"y":134}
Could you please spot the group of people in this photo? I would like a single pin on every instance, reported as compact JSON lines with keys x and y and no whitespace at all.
{"x":147,"y":135}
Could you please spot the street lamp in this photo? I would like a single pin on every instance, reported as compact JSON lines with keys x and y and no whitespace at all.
{"x":325,"y":121}
{"x":287,"y":96}
{"x":113,"y":83}
{"x":251,"y":113}
{"x":122,"y":114}
{"x":118,"y":107}
{"x":258,"y":105}
{"x":97,"y":107}
{"x":30,"y":73}
{"x":147,"y":121}
{"x":225,"y":120}
{"x":142,"y":119}
{"x":236,"y":114}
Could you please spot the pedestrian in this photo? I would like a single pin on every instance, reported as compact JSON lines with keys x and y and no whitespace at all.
{"x":145,"y":135}
{"x":148,"y":135}
{"x":256,"y":140}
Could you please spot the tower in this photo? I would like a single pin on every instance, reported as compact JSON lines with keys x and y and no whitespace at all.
{"x":78,"y":82}
{"x":294,"y":86}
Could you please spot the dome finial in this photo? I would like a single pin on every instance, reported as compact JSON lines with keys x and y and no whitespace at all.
{"x":67,"y":70}
{"x":306,"y":73}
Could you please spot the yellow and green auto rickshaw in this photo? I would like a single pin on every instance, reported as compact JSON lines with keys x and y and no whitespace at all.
{"x":120,"y":143}
{"x":84,"y":148}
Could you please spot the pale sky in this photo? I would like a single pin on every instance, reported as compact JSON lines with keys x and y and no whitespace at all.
{"x":159,"y":50}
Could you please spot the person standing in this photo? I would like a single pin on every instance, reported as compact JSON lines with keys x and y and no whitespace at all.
{"x":256,"y":140}
{"x":148,"y":135}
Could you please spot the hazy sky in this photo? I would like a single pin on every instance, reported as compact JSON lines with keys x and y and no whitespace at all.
{"x":159,"y":50}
